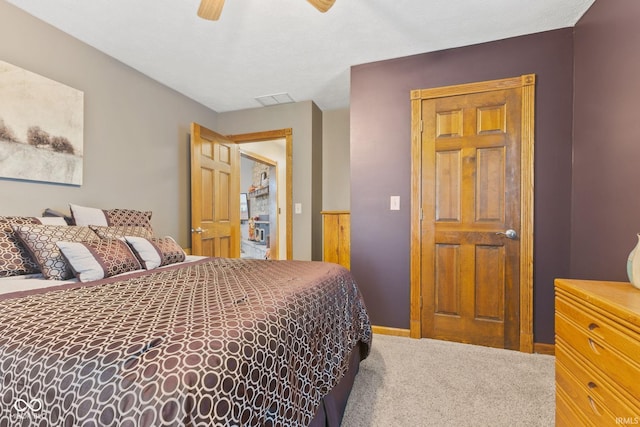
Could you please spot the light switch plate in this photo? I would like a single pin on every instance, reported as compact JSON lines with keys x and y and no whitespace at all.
{"x":298,"y":208}
{"x":394,"y":203}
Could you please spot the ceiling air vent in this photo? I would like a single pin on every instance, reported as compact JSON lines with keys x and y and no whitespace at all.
{"x":276,"y":98}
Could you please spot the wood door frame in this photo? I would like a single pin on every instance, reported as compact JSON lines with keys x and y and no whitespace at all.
{"x":527,"y":84}
{"x":270,"y":135}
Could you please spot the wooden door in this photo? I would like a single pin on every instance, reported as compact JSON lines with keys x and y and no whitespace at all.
{"x":215,"y":190}
{"x":470,"y":201}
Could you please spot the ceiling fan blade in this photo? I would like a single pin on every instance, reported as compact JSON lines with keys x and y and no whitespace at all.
{"x":210,"y":9}
{"x":322,"y":5}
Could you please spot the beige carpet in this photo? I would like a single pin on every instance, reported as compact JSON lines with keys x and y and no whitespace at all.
{"x":408,"y":382}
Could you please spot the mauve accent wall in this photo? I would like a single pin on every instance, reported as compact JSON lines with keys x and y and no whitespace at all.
{"x":606,"y":170}
{"x":381,"y":161}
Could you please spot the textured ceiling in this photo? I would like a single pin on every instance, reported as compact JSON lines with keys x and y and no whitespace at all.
{"x":265,"y":47}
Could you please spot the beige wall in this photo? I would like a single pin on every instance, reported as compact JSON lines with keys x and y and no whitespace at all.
{"x":335,"y":160}
{"x":136,"y":131}
{"x":136,"y":139}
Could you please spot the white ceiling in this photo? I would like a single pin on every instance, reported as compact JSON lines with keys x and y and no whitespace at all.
{"x":264,"y":47}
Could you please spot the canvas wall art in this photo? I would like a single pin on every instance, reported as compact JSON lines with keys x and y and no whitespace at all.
{"x":41,"y":128}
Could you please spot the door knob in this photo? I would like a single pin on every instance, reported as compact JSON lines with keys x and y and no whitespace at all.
{"x":197,"y":230}
{"x":509,"y":234}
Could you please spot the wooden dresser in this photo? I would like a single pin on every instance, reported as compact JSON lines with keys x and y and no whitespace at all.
{"x":337,"y":237}
{"x":597,"y":353}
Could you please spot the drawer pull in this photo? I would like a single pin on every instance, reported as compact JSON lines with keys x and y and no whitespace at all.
{"x":593,"y":346}
{"x":593,"y":326}
{"x":592,"y":385}
{"x":593,"y":405}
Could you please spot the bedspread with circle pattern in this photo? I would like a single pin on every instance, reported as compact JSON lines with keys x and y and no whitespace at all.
{"x":228,"y":342}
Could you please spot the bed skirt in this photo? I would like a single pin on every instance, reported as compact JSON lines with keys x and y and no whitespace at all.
{"x":331,"y":409}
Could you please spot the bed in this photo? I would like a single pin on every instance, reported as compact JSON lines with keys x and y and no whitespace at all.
{"x":197,"y":341}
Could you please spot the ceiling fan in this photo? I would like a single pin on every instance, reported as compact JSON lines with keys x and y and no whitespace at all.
{"x":211,"y":9}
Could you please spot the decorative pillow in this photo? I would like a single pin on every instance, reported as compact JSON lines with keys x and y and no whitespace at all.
{"x":15,"y":259}
{"x":41,"y":240}
{"x":157,"y":251}
{"x":98,"y":259}
{"x":120,"y":231}
{"x":85,"y":216}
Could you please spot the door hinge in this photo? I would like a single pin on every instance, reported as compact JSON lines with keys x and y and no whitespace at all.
{"x":421,"y":126}
{"x":421,"y":214}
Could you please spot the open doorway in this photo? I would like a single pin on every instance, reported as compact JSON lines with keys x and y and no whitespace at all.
{"x":259,"y":203}
{"x":263,"y":144}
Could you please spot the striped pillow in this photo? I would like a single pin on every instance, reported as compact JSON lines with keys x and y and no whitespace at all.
{"x":99,"y":259}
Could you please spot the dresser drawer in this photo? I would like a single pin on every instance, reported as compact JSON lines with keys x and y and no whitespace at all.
{"x":598,"y":326}
{"x":594,"y":382}
{"x":567,"y":415}
{"x":570,"y":413}
{"x":595,"y":349}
